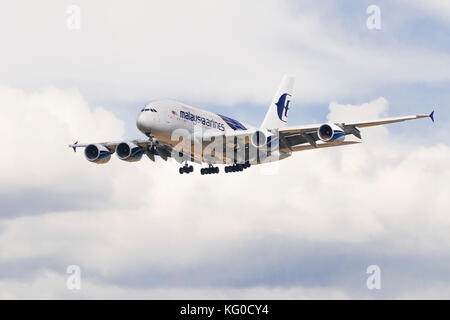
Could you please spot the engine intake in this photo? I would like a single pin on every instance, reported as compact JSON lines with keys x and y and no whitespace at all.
{"x":330,"y":132}
{"x":129,"y":151}
{"x":97,"y":153}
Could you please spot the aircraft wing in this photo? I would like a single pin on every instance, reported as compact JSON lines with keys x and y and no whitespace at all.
{"x":297,"y":138}
{"x":322,"y":145}
{"x":361,"y":124}
{"x":292,"y":137}
{"x":111,"y":145}
{"x":390,"y":120}
{"x":152,"y":147}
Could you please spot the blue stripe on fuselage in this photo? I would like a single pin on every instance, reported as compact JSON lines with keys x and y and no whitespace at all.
{"x":233,"y":124}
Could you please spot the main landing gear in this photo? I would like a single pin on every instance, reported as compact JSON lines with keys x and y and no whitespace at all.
{"x":186,"y":169}
{"x":237,"y":167}
{"x":209,"y":170}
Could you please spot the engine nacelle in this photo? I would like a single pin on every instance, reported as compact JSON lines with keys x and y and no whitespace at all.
{"x":97,"y":153}
{"x":128,"y":151}
{"x":330,"y":133}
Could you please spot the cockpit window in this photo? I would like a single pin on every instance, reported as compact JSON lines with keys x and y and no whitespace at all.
{"x":149,"y":109}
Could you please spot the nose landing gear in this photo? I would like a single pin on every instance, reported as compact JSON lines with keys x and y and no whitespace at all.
{"x":237,"y":167}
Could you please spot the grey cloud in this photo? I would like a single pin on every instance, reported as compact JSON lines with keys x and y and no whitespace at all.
{"x":271,"y":263}
{"x":25,"y":202}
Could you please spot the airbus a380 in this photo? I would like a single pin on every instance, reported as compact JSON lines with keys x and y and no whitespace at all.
{"x":189,"y":134}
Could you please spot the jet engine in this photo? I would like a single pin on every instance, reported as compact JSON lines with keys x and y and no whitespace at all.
{"x":128,"y":151}
{"x":97,"y":153}
{"x":330,"y":133}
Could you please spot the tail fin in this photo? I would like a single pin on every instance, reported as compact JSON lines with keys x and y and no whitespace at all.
{"x":276,"y":116}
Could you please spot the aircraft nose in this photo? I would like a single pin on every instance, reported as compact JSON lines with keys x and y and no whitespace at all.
{"x":141,"y":123}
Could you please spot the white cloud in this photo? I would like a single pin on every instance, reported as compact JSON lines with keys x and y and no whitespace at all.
{"x":223,"y":52}
{"x":434,"y":292}
{"x":438,"y":8}
{"x":154,"y":225}
{"x":45,"y":122}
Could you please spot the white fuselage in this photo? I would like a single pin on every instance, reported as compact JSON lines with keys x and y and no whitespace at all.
{"x":166,"y":119}
{"x":161,"y":118}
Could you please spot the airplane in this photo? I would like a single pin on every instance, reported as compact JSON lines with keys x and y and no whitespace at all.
{"x":211,"y":138}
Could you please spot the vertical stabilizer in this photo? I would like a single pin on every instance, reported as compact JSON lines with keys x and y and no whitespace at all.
{"x":276,"y":116}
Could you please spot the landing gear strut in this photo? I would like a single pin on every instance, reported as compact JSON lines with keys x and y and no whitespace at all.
{"x":237,"y":167}
{"x":209,"y":170}
{"x":186,"y":169}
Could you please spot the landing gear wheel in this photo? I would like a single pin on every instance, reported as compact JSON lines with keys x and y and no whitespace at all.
{"x":186,"y":169}
{"x":209,"y":170}
{"x":237,"y":167}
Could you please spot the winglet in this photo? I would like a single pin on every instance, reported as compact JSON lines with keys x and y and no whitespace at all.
{"x":432,"y":115}
{"x":74,"y":146}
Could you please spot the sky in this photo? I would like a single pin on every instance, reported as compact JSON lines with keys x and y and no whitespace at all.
{"x":306,"y":227}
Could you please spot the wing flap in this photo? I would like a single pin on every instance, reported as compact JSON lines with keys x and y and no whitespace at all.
{"x":322,"y":145}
